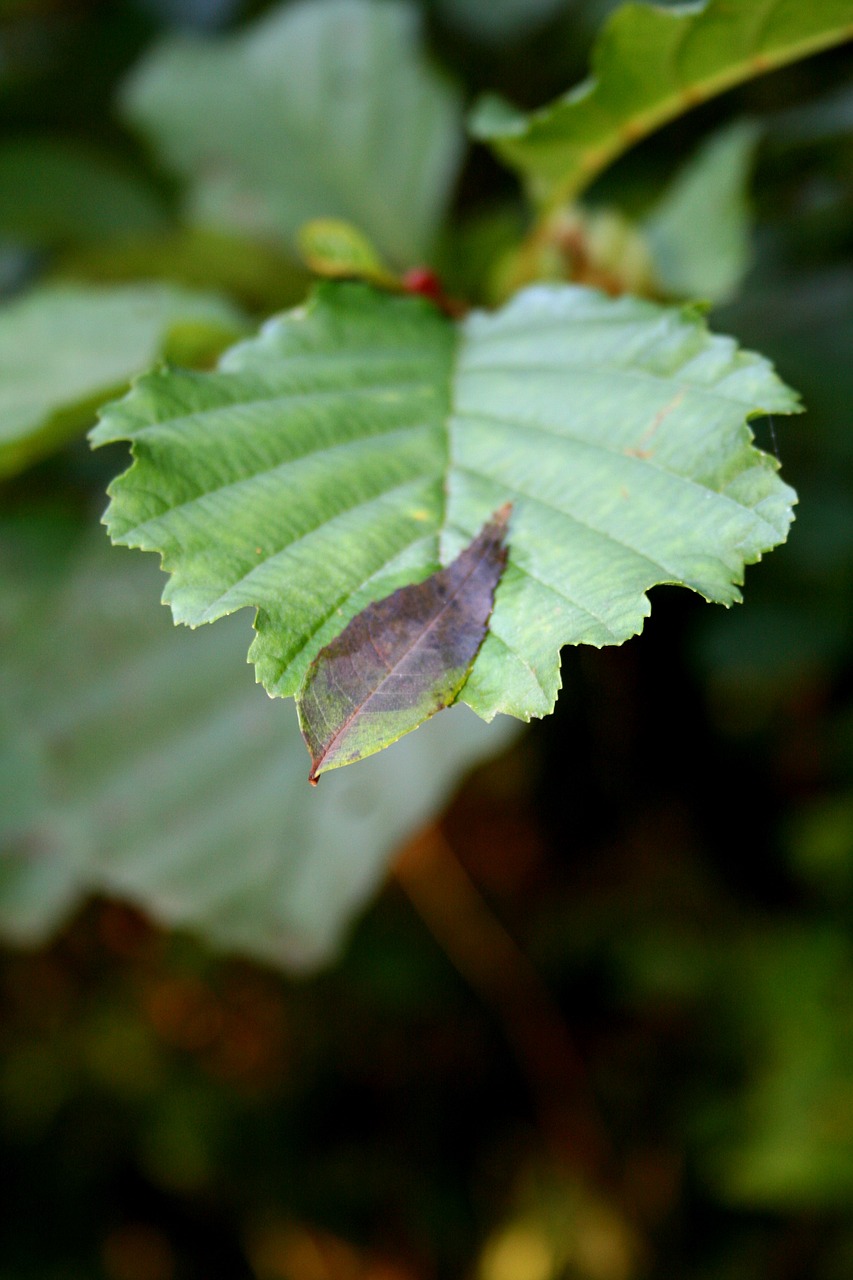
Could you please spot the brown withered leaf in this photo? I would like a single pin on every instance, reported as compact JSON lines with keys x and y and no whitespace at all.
{"x":402,"y":658}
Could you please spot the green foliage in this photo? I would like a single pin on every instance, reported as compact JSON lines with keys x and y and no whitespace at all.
{"x":650,"y":65}
{"x":258,"y":275}
{"x":54,"y":191}
{"x":356,"y":445}
{"x":699,"y":231}
{"x":136,"y":760}
{"x":788,"y":1131}
{"x":66,"y":349}
{"x":627,"y":940}
{"x":343,"y":119}
{"x":337,"y":249}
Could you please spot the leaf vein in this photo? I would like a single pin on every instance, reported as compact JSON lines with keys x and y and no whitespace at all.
{"x":271,"y":471}
{"x":657,"y":565}
{"x":271,"y":401}
{"x":562,"y":594}
{"x":614,"y":371}
{"x":340,"y":603}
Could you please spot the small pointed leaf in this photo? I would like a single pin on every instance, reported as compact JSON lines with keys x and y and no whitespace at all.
{"x":338,"y":250}
{"x":699,"y":231}
{"x":402,"y":658}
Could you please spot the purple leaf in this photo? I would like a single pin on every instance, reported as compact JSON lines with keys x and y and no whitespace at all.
{"x":402,"y":658}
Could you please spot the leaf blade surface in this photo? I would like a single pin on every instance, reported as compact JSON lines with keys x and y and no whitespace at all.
{"x":361,"y":442}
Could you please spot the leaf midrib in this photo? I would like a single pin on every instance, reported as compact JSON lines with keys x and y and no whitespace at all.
{"x":628,"y":131}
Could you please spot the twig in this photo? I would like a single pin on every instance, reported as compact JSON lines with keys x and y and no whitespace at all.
{"x":503,"y":978}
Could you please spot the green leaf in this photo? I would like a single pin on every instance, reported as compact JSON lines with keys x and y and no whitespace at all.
{"x":401,"y":659}
{"x":320,"y":109}
{"x":699,"y":232}
{"x":52,"y":192}
{"x":650,"y":65}
{"x":359,"y":443}
{"x":142,"y":762}
{"x":65,"y":349}
{"x":339,"y":251}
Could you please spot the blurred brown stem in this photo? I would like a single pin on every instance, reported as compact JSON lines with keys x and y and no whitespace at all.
{"x":503,"y":978}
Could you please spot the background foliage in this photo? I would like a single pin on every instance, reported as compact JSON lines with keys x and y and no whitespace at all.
{"x":667,"y":1090}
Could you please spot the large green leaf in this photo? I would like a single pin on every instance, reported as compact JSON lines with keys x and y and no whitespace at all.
{"x":360,"y":442}
{"x":65,"y":349}
{"x":321,"y":109}
{"x":650,"y":65}
{"x":139,"y":761}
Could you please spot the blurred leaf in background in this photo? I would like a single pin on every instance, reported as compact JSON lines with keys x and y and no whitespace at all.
{"x":141,"y":761}
{"x":64,"y":349}
{"x":699,"y":232}
{"x":315,"y":111}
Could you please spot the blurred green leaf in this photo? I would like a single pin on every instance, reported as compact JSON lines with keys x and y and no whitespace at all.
{"x":650,"y":65}
{"x":820,"y":842}
{"x":142,"y":762}
{"x":699,"y":232}
{"x":338,"y":250}
{"x":320,"y":109}
{"x":65,"y":349}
